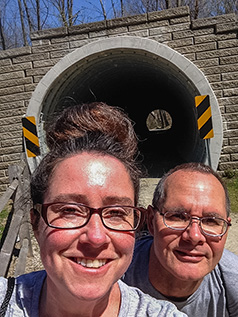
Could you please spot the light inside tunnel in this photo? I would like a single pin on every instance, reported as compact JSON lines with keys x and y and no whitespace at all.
{"x":158,"y":120}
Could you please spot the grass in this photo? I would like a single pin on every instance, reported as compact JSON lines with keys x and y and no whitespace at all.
{"x":232,"y":185}
{"x":3,"y":218}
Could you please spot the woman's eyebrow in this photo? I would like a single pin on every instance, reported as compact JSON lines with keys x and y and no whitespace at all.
{"x":79,"y":198}
{"x":118,"y":200}
{"x":69,"y":197}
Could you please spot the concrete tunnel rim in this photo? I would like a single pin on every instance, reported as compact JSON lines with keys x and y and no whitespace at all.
{"x":184,"y":65}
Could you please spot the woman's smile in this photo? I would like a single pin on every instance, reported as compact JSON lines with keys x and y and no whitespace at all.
{"x":96,"y":263}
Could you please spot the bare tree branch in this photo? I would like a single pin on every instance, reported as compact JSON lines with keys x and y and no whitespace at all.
{"x":103,"y":10}
{"x":2,"y":35}
{"x":38,"y":15}
{"x":22,"y":23}
{"x":122,"y":8}
{"x":30,"y":25}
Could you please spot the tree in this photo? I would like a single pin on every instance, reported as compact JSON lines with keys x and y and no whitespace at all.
{"x":65,"y":12}
{"x":18,"y":18}
{"x":2,"y":36}
{"x":224,"y":7}
{"x":103,"y":10}
{"x":122,"y":7}
{"x":198,"y":8}
{"x":22,"y":22}
{"x":10,"y":29}
{"x":2,"y":31}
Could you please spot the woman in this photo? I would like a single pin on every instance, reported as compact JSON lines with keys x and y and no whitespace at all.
{"x":84,"y":192}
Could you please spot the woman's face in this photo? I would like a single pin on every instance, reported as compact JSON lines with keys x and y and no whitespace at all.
{"x":68,"y":255}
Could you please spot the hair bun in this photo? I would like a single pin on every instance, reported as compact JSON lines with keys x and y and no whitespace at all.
{"x":77,"y":121}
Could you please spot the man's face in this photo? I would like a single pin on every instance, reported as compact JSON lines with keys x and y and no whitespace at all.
{"x":189,"y":255}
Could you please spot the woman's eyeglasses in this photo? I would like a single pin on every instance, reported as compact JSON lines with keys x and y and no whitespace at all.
{"x":75,"y":215}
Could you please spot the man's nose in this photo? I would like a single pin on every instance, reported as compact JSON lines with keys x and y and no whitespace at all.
{"x":193,"y":231}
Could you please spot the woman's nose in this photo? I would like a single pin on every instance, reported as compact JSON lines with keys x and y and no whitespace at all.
{"x":95,"y":232}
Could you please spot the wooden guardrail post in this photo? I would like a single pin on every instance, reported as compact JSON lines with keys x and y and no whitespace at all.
{"x":24,"y":232}
{"x":19,"y":225}
{"x":8,"y":194}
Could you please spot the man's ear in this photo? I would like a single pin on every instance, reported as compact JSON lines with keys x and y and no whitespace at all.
{"x":229,"y":219}
{"x":150,"y":219}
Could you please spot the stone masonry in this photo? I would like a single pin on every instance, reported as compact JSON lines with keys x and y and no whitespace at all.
{"x":211,"y":44}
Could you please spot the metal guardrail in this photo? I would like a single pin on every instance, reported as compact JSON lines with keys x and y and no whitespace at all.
{"x":17,"y":228}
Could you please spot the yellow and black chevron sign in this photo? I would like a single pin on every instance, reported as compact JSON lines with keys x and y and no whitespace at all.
{"x":204,"y":117}
{"x":30,"y":135}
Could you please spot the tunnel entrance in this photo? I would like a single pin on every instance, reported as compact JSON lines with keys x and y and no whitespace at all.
{"x":142,"y":77}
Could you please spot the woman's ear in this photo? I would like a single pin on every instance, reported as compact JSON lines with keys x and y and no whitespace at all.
{"x":35,"y":217}
{"x":150,"y":219}
{"x":32,"y":216}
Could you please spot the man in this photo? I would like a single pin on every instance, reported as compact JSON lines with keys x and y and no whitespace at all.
{"x":183,"y":259}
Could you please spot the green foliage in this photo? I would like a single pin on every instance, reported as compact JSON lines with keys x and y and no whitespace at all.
{"x":231,"y":181}
{"x":3,"y":219}
{"x":230,"y":173}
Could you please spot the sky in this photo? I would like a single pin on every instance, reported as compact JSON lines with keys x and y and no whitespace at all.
{"x":95,"y":9}
{"x":90,"y":10}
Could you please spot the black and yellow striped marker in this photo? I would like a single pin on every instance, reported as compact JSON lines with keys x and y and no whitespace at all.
{"x":30,"y":135}
{"x":204,"y":117}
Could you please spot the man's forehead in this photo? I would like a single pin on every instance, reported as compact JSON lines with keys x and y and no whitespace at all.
{"x":194,"y":182}
{"x":192,"y":185}
{"x":198,"y":176}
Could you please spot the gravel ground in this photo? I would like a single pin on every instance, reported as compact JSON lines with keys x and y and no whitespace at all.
{"x":147,"y":189}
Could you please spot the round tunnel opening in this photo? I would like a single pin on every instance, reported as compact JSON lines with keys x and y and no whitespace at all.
{"x":139,"y":81}
{"x":139,"y":84}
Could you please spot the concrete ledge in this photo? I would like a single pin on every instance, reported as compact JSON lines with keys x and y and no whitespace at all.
{"x":227,"y":27}
{"x":168,"y":14}
{"x":212,"y":21}
{"x":15,"y":52}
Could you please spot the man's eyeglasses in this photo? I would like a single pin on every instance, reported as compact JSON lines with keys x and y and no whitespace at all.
{"x":76,"y":215}
{"x":210,"y":226}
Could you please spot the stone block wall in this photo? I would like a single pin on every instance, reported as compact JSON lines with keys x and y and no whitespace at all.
{"x":211,"y":44}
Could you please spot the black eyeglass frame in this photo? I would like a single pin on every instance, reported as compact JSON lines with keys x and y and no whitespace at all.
{"x":228,"y":224}
{"x":42,"y":210}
